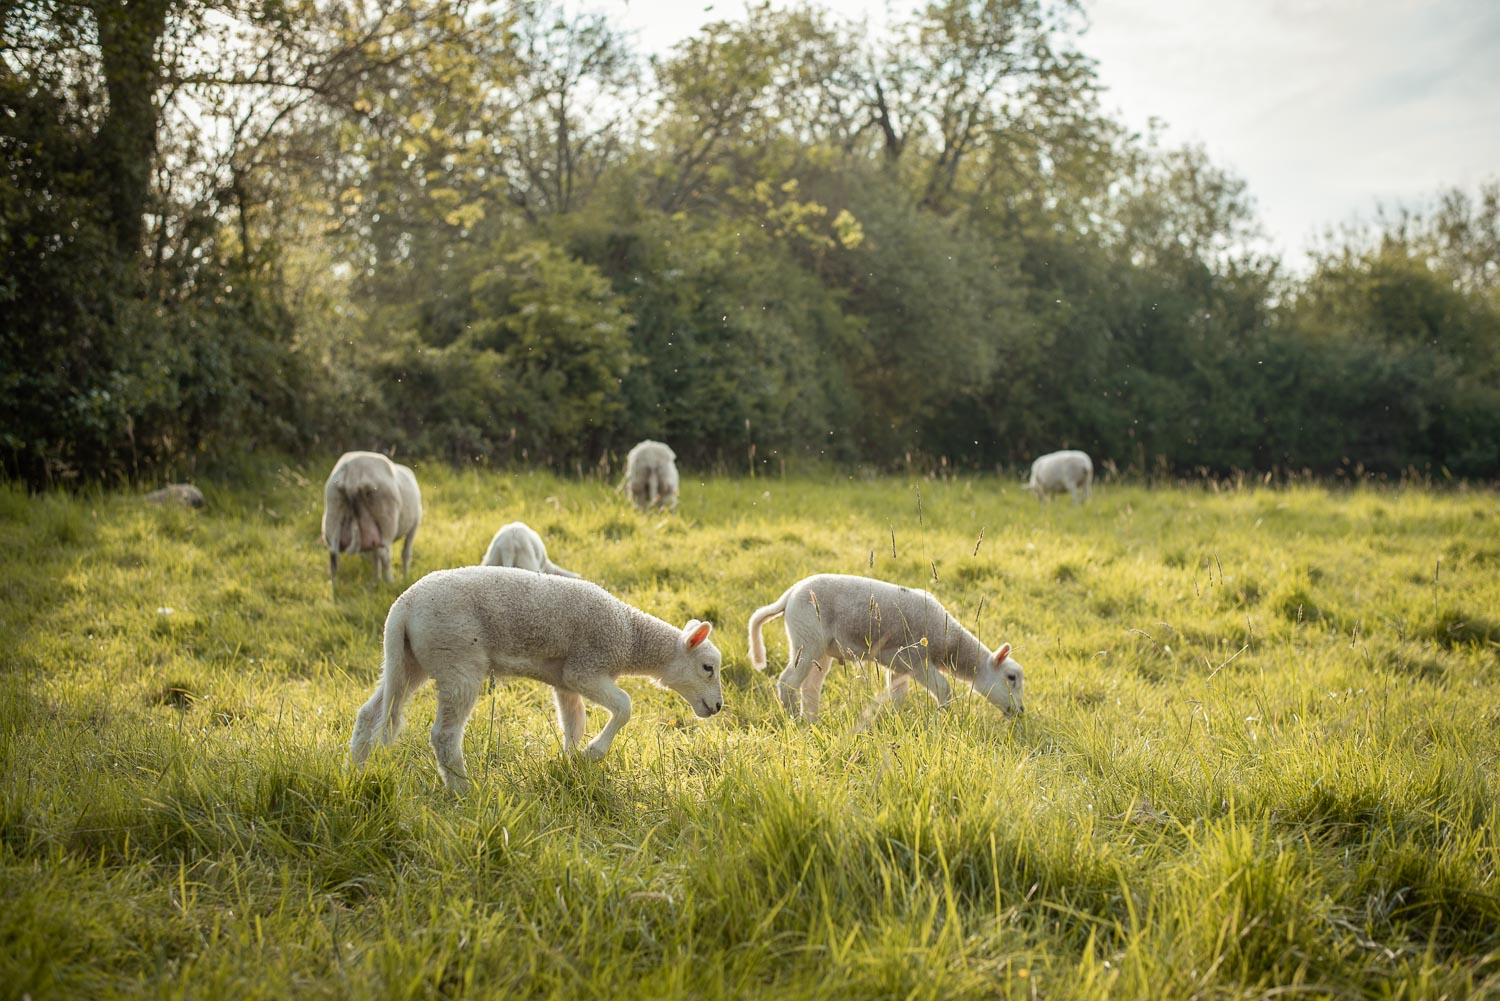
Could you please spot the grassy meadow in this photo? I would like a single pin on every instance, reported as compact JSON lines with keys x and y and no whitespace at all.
{"x":1259,"y":757}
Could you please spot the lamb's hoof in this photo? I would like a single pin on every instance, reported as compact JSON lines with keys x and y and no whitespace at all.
{"x":593,"y":753}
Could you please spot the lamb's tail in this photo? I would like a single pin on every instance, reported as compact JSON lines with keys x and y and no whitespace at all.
{"x":381,"y":717}
{"x":558,"y":571}
{"x":757,"y":621}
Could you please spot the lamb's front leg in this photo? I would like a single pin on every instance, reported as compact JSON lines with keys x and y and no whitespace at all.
{"x":601,"y":690}
{"x":932,"y":679}
{"x":897,"y":686}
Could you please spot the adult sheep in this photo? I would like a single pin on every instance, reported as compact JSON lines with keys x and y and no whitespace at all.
{"x":836,"y":616}
{"x":368,"y":503}
{"x":460,"y":626}
{"x":651,"y":475}
{"x":518,"y":545}
{"x":1069,"y":470}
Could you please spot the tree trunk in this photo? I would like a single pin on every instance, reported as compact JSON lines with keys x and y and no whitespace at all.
{"x":129,"y":31}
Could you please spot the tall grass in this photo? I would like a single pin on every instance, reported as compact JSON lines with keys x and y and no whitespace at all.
{"x":1259,"y":755}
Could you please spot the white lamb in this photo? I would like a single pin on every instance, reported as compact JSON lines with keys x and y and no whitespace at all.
{"x":458,"y":627}
{"x":651,"y":475}
{"x":518,"y":545}
{"x":835,"y":616}
{"x":1069,"y":470}
{"x":368,"y":503}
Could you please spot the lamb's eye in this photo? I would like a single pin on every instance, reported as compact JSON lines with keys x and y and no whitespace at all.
{"x":709,"y":668}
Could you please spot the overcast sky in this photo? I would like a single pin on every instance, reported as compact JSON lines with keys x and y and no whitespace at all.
{"x":1325,"y":107}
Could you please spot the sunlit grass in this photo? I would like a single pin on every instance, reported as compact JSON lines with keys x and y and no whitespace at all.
{"x":1260,"y":752}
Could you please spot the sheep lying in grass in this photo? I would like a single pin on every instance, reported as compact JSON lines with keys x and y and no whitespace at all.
{"x":834,"y":616}
{"x":458,"y":627}
{"x":517,"y":545}
{"x":369,"y":503}
{"x":1069,"y":470}
{"x":651,"y":476}
{"x":184,"y":494}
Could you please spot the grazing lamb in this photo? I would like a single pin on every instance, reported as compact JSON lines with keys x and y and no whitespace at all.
{"x":458,"y":627}
{"x":368,"y":504}
{"x":651,"y":475}
{"x":832,"y":616}
{"x":184,"y":494}
{"x":1069,"y":470}
{"x":517,"y":545}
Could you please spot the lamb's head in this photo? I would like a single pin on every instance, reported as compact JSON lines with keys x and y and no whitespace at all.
{"x":1001,"y":680}
{"x":693,"y":671}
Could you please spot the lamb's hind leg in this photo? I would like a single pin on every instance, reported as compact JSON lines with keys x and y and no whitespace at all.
{"x":456,"y":695}
{"x":383,"y":715}
{"x":812,"y":688}
{"x":789,"y":684}
{"x":570,"y":717}
{"x":800,"y":685}
{"x":369,"y":722}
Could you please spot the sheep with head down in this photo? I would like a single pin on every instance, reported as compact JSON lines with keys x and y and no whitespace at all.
{"x":651,"y":476}
{"x":368,"y":503}
{"x":518,"y":545}
{"x":458,"y":627}
{"x":840,"y":617}
{"x":1069,"y":470}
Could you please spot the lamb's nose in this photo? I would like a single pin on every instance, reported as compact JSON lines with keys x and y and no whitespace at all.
{"x":718,"y":706}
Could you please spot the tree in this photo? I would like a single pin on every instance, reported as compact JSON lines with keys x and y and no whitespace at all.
{"x":572,"y":96}
{"x":961,"y":72}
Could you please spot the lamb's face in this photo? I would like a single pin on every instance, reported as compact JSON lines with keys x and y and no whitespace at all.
{"x":1001,"y":681}
{"x":694,"y":672}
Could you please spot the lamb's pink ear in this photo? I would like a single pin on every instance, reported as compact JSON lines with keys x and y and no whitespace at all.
{"x":998,"y":657}
{"x":695,"y":632}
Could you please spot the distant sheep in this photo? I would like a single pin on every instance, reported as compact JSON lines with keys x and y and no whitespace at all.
{"x":834,"y":616}
{"x":1055,"y":472}
{"x":651,"y":476}
{"x":460,"y":626}
{"x":369,"y":503}
{"x":177,"y":493}
{"x":517,"y":545}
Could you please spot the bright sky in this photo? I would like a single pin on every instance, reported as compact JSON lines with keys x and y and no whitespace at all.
{"x":1326,"y":108}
